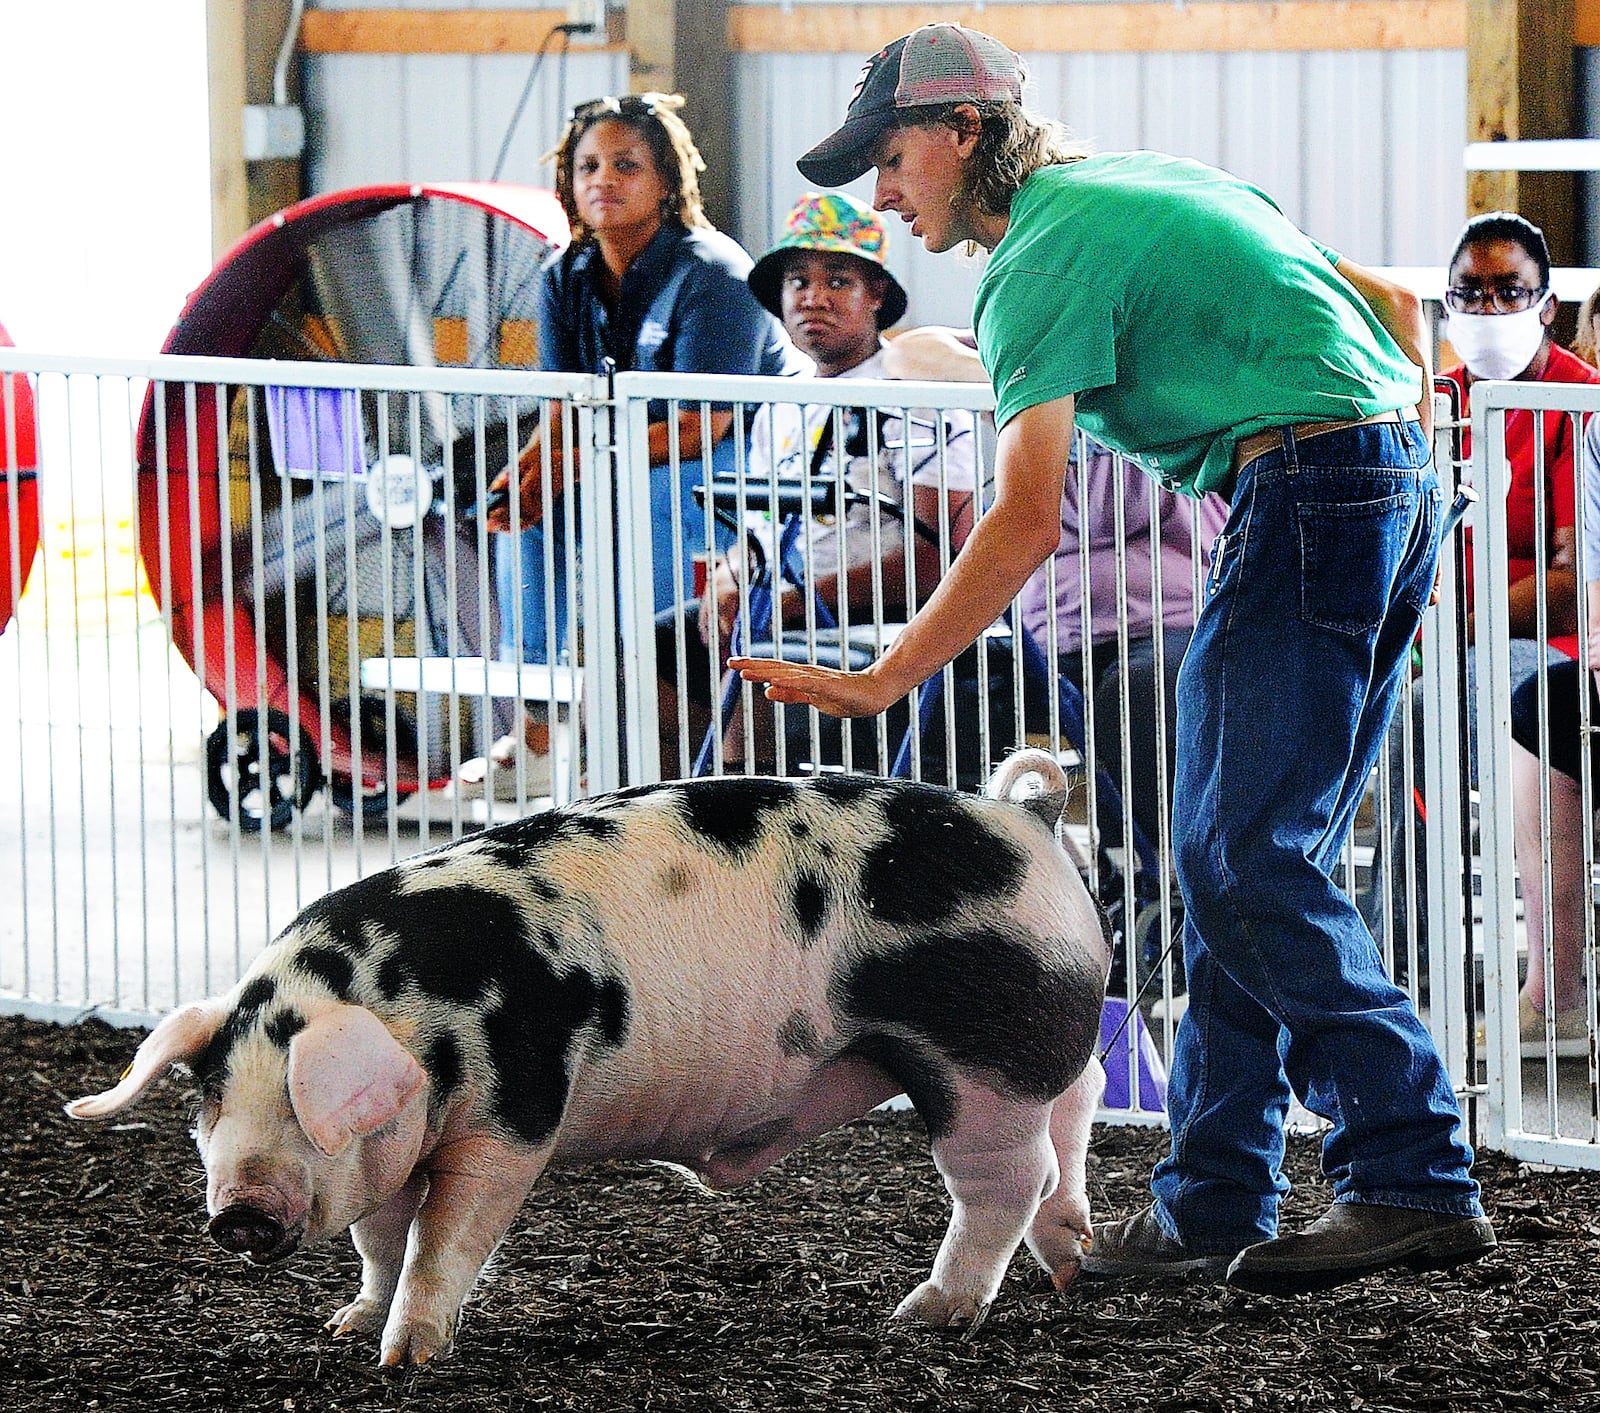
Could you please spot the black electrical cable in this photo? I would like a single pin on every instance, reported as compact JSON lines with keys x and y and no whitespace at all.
{"x":566,"y":31}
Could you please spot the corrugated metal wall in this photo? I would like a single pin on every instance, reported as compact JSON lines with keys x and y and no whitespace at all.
{"x":441,"y":117}
{"x":1362,"y":149}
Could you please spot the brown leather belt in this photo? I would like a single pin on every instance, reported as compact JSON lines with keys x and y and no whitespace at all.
{"x":1259,"y":443}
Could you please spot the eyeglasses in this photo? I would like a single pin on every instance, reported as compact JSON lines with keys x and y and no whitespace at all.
{"x":630,"y":105}
{"x":1503,"y":299}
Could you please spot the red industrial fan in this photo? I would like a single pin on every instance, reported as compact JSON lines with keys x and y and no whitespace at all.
{"x":19,"y":488}
{"x":281,"y":506}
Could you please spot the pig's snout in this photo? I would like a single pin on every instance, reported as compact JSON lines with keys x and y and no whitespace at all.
{"x":248,"y":1231}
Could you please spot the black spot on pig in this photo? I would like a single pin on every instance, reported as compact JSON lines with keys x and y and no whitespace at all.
{"x":810,"y":906}
{"x":676,"y":880}
{"x":732,"y":812}
{"x":612,"y":1011}
{"x":937,"y":856}
{"x":799,"y":828}
{"x":925,"y":1081}
{"x":987,"y":1002}
{"x":519,"y":843}
{"x":337,"y":919}
{"x":453,"y":943}
{"x":798,"y":1036}
{"x":210,"y":1066}
{"x":531,"y":1037}
{"x":441,"y":1058}
{"x":849,"y":789}
{"x":284,"y":1026}
{"x":332,"y":966}
{"x":257,"y":993}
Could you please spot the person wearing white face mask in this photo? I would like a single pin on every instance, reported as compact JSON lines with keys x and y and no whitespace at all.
{"x":1499,"y":308}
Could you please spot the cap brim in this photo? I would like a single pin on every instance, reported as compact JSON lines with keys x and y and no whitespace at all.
{"x":844,"y":155}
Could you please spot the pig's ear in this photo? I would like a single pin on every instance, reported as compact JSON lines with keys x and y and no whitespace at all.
{"x":179,"y":1038}
{"x":348,"y":1077}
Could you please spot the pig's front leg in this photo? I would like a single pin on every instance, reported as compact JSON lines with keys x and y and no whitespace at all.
{"x":998,"y":1163}
{"x":475,"y":1189}
{"x":380,"y":1238}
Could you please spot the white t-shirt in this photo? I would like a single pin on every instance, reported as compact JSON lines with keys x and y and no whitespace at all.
{"x":792,"y":436}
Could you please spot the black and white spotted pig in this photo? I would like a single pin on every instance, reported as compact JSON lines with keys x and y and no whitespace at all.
{"x":708,"y":973}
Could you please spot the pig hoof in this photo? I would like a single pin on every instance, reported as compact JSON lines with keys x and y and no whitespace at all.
{"x":1065,"y":1273}
{"x":414,"y":1344}
{"x":360,"y":1316}
{"x":944,"y":1309}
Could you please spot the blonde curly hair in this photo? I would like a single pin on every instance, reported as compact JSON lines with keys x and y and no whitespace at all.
{"x":654,"y":116}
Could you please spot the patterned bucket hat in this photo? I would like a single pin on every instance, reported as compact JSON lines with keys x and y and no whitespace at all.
{"x":834,"y":224}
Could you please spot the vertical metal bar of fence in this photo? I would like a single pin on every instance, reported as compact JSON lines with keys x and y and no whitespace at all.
{"x":258,"y":601}
{"x":1585,"y":572}
{"x":1446,"y":876}
{"x":230,"y":691}
{"x":75,"y":559}
{"x":391,"y":711}
{"x":1503,"y":1059}
{"x":609,"y":487}
{"x":202,"y":648}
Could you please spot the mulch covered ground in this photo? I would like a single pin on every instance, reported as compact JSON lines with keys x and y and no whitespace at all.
{"x":623,"y":1288}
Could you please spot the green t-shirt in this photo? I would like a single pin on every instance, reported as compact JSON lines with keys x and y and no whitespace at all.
{"x":1182,"y":308}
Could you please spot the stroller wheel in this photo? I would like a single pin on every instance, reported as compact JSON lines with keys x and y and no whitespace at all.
{"x":371,"y":801}
{"x":259,"y":772}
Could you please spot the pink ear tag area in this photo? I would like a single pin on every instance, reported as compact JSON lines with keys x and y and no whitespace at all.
{"x":348,"y":1077}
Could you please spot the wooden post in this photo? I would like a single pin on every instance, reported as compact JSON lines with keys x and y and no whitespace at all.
{"x":242,"y":41}
{"x":681,"y":46}
{"x":1519,"y":86}
{"x":225,"y":84}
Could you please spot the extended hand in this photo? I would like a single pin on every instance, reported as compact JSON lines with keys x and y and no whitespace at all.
{"x":837,"y":693}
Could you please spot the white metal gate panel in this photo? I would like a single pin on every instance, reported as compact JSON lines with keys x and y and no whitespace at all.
{"x":1542,"y":1106}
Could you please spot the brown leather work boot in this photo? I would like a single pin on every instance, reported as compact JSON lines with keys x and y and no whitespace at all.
{"x":1354,"y":1239}
{"x":1136,"y":1246}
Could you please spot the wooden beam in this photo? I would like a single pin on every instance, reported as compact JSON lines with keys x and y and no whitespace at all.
{"x":1294,"y":25}
{"x":1586,"y":27}
{"x":429,"y":31}
{"x":1519,"y":86}
{"x":225,"y":97}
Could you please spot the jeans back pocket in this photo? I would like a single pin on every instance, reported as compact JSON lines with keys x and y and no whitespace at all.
{"x":1350,"y":555}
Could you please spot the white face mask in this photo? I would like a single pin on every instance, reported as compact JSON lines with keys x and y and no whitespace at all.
{"x":1497,"y":346}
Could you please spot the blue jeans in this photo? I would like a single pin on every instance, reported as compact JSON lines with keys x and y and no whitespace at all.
{"x":540,"y":634}
{"x":1317,"y":587}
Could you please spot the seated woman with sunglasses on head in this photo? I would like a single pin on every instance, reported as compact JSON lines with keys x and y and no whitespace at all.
{"x":650,"y":285}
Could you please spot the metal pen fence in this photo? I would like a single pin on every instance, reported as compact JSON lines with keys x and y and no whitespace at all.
{"x":270,"y":628}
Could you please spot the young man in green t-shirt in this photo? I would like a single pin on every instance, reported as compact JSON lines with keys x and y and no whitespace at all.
{"x":1190,"y":326}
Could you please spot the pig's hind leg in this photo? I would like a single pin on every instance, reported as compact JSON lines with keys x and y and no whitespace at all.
{"x":998,"y":1162}
{"x":1061,"y":1229}
{"x":380,"y":1240}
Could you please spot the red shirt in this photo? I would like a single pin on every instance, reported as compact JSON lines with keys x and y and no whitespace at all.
{"x":1560,"y":481}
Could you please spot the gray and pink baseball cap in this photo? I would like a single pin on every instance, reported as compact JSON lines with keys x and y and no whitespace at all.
{"x":941,"y":63}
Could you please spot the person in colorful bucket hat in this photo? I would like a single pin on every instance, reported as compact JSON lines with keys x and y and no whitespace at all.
{"x":1176,"y":314}
{"x":827,"y":280}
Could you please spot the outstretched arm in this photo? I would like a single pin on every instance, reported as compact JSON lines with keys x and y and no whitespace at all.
{"x":1012,"y":540}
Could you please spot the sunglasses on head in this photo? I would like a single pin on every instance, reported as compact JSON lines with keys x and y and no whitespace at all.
{"x":629,"y":105}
